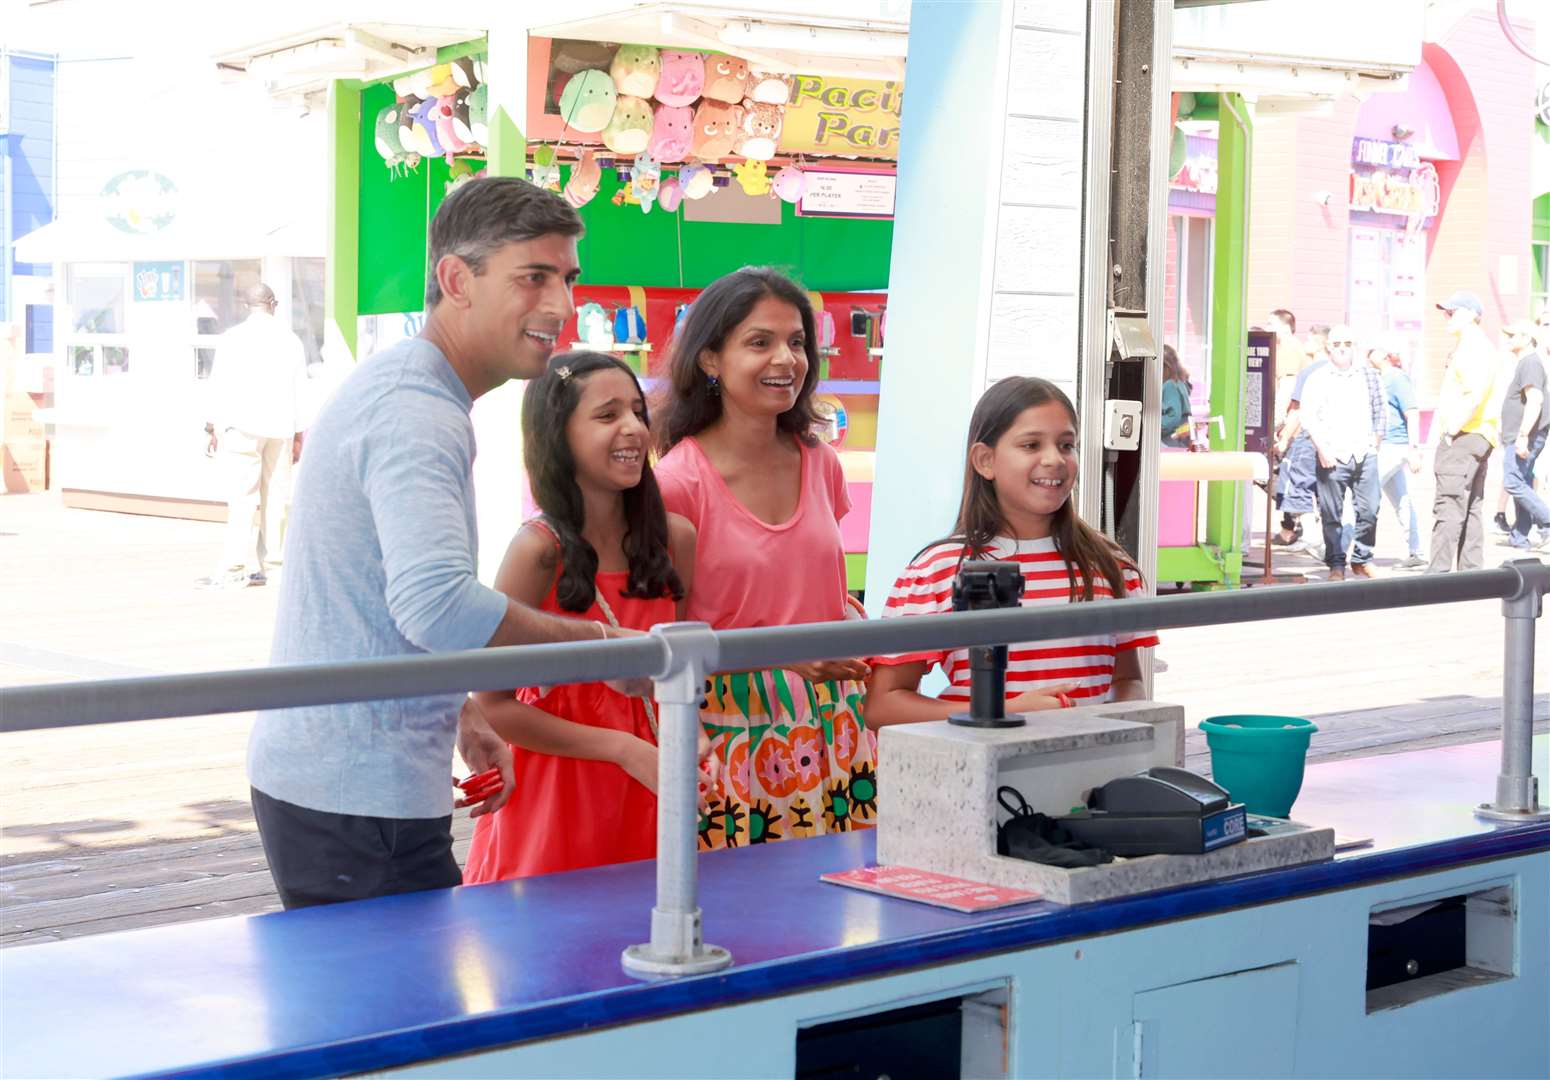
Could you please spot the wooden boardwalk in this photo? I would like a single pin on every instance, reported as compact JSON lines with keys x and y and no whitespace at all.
{"x":142,"y":824}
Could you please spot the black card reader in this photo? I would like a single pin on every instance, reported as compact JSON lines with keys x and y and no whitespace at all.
{"x":1163,"y":811}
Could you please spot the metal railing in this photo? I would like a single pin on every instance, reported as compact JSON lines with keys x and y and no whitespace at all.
{"x":678,"y":657}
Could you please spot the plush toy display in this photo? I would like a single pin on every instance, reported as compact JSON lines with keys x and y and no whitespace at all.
{"x":417,"y":129}
{"x":478,"y":114}
{"x":672,"y":134}
{"x":760,"y":130}
{"x":754,"y":176}
{"x":584,"y":178}
{"x":726,"y":79}
{"x":682,"y":80}
{"x":670,"y":194}
{"x":790,"y":183}
{"x":463,"y":73}
{"x":768,"y":88}
{"x":593,"y":326}
{"x":695,"y":181}
{"x":587,"y":103}
{"x":545,"y":172}
{"x":629,"y":129}
{"x":635,"y":69}
{"x":645,"y":175}
{"x":462,"y":118}
{"x":716,"y":130}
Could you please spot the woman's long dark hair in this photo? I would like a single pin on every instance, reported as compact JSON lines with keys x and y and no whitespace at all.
{"x":1088,"y":553}
{"x":692,"y":404}
{"x":547,"y":406}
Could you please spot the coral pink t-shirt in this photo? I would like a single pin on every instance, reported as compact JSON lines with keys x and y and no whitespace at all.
{"x":749,"y":573}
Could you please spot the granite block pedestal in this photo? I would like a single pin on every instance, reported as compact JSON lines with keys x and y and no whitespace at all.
{"x":938,"y":808}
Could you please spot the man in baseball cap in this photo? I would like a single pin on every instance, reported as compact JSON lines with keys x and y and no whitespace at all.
{"x":1465,"y":431}
{"x":1525,"y":427}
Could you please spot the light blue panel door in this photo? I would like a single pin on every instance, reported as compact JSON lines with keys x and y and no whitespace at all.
{"x":1243,"y":1024}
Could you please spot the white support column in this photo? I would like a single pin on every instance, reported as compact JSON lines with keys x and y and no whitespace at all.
{"x":986,"y":248}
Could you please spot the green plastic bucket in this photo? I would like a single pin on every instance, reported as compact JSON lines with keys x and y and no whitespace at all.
{"x":1259,"y":759}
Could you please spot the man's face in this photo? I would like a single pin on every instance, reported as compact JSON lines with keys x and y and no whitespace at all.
{"x":1459,"y":320}
{"x":1278,"y":326}
{"x":1342,"y":347}
{"x":519,"y":304}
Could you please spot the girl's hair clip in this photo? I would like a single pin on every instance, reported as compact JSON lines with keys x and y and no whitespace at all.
{"x":563,"y":372}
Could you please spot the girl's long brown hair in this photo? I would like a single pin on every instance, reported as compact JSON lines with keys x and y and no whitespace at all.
{"x":1087,"y":552}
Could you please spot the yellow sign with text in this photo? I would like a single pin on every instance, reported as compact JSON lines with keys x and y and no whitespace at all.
{"x":843,"y":117}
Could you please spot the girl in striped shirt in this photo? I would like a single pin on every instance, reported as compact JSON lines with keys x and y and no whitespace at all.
{"x":1022,"y":465}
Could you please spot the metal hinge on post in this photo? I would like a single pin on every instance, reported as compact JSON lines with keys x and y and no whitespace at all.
{"x":677,"y":946}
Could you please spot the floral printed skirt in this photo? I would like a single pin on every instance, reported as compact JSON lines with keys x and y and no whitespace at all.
{"x":796,"y":759}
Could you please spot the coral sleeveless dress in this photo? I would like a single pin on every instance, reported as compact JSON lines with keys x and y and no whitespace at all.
{"x":567,"y":813}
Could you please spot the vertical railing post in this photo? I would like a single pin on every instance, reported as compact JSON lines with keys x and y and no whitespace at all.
{"x":1517,"y":789}
{"x":676,"y":946}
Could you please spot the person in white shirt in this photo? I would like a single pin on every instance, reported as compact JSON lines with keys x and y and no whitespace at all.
{"x":257,"y":394}
{"x":1343,"y":412}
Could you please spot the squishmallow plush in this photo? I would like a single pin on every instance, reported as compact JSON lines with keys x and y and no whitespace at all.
{"x":420,"y":83}
{"x":790,"y":183}
{"x":385,"y":134}
{"x":545,"y":172}
{"x":726,"y":79}
{"x":593,"y":324}
{"x":754,"y":176}
{"x":446,"y":130}
{"x":403,"y":86}
{"x":463,"y":73}
{"x":629,"y":129}
{"x":670,"y":194}
{"x":635,"y":69}
{"x":768,"y":88}
{"x":645,"y":176}
{"x":716,"y":130}
{"x":479,"y":114}
{"x":462,"y":120}
{"x":584,"y":178}
{"x":682,"y":80}
{"x":695,"y":181}
{"x":760,"y":130}
{"x":672,"y":134}
{"x":417,"y":129}
{"x":587,"y":103}
{"x":442,"y":83}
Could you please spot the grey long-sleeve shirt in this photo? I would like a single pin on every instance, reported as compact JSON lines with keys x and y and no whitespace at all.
{"x":380,"y":561}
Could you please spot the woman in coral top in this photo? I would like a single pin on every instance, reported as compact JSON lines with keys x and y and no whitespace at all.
{"x":742,"y":464}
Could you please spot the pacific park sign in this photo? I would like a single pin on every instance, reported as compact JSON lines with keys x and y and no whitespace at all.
{"x":843,"y":117}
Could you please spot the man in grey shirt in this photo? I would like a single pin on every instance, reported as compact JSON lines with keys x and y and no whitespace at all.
{"x":355,"y":800}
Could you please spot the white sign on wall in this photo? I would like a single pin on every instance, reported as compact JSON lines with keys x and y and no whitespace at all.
{"x":848,"y":194}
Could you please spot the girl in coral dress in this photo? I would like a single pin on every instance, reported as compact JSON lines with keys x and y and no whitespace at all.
{"x":604,"y":549}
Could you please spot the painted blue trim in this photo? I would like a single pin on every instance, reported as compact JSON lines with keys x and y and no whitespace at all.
{"x":1032,"y":926}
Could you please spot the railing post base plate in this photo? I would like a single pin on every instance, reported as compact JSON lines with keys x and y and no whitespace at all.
{"x":1490,"y":812}
{"x":643,"y":963}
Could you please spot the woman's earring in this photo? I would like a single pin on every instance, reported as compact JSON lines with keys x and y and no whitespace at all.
{"x":715,"y":384}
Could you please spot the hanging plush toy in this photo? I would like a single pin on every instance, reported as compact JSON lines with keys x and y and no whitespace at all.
{"x":594,"y":327}
{"x":463,"y":73}
{"x":584,"y":178}
{"x":790,"y":183}
{"x":760,"y":130}
{"x":695,"y":181}
{"x":754,"y":176}
{"x":420,"y":84}
{"x":768,"y":88}
{"x":587,"y":103}
{"x":441,"y":81}
{"x":682,"y":80}
{"x":716,"y":130}
{"x":460,"y":173}
{"x":670,"y":194}
{"x":629,"y":129}
{"x":635,"y":69}
{"x":644,"y":178}
{"x":446,"y":130}
{"x":462,"y":119}
{"x":672,"y":134}
{"x":478,"y":114}
{"x":545,"y":172}
{"x":385,"y":135}
{"x":417,"y":129}
{"x":726,"y":79}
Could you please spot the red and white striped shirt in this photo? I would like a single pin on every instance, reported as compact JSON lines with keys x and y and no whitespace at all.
{"x":926,"y":588}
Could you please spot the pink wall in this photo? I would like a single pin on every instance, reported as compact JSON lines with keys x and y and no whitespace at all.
{"x":1298,"y":249}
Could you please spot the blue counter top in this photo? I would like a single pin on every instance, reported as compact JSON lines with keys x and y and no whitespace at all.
{"x":392,"y":981}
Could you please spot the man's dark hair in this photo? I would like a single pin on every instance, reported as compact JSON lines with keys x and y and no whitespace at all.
{"x":1286,"y":317}
{"x":487,"y":212}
